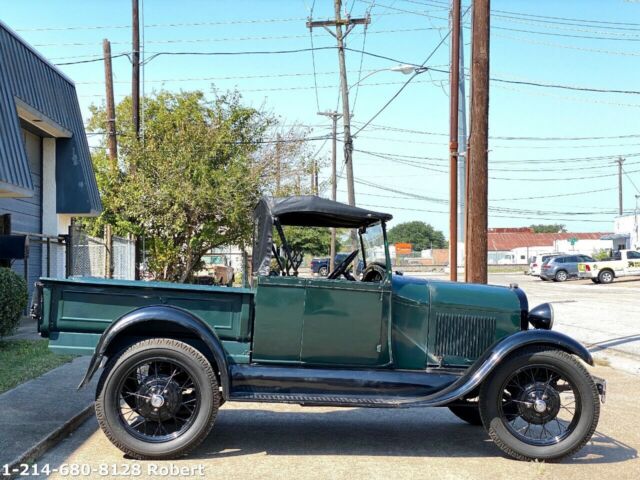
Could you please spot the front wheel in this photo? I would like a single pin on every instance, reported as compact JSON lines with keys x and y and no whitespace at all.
{"x":540,"y":404}
{"x":323,"y":271}
{"x":158,"y":399}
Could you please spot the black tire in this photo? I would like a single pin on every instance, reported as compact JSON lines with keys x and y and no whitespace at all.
{"x":595,"y":280}
{"x":605,"y":276}
{"x":500,"y":419}
{"x":544,"y":279}
{"x":561,"y":276}
{"x":133,"y":437}
{"x":323,"y":271}
{"x":470,"y":414}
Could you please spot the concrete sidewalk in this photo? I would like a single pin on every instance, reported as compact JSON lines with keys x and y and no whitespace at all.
{"x":38,"y":413}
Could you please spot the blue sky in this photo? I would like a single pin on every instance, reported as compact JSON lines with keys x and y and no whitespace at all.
{"x":523,"y":48}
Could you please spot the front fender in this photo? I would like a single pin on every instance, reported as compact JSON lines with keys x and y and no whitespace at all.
{"x":481,"y":369}
{"x":168,"y":314}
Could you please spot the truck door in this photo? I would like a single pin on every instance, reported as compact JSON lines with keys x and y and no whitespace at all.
{"x":632,"y":266}
{"x":346,"y":323}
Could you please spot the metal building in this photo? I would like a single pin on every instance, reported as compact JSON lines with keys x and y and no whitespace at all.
{"x":46,"y":175}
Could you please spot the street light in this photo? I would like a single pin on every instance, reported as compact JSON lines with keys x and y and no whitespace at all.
{"x":403,"y":68}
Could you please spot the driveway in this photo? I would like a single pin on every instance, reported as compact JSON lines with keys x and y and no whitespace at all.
{"x":261,"y":441}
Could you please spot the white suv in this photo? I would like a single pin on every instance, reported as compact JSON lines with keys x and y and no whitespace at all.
{"x":536,"y":261}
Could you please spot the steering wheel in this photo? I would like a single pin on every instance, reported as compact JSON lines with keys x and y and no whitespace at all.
{"x":375,"y":272}
{"x":342,"y":268}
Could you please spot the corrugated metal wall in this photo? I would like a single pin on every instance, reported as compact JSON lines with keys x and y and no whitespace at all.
{"x":24,"y":74}
{"x":26,"y":213}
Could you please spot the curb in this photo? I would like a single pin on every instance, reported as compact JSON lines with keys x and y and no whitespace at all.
{"x":50,"y":441}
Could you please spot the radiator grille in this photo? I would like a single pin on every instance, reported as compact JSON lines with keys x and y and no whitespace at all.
{"x":463,"y":335}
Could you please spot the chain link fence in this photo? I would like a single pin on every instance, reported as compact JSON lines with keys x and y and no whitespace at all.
{"x":88,"y":256}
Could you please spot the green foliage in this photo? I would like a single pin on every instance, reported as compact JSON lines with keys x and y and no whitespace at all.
{"x":602,"y":254}
{"x":422,"y":235}
{"x":311,"y":240}
{"x":549,"y":228}
{"x":191,"y":182}
{"x":13,"y":300}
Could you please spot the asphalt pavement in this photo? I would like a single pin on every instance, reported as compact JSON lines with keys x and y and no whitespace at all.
{"x":275,"y":441}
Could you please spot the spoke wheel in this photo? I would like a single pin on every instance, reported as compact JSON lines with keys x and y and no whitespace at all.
{"x":158,"y":399}
{"x":540,"y":404}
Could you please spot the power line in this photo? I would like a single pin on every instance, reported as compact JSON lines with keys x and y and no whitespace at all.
{"x":418,"y":71}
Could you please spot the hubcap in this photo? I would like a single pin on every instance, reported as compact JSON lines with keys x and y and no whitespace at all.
{"x":159,"y":400}
{"x":540,"y":406}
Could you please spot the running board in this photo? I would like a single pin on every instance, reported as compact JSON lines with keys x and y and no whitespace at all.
{"x":320,"y":400}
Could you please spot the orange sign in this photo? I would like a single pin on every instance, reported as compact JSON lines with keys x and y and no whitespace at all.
{"x":404,"y":248}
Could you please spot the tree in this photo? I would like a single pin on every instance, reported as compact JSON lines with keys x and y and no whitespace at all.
{"x":191,"y":183}
{"x":549,"y":228}
{"x":422,"y":235}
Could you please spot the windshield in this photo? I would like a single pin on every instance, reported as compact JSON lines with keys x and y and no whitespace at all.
{"x":373,"y":241}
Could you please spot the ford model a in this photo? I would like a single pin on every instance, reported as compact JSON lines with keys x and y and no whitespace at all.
{"x":173,"y":354}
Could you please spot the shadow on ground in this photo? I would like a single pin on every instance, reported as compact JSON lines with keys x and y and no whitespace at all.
{"x":370,"y":432}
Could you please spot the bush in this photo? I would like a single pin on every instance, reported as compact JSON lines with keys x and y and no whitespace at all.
{"x":13,"y":300}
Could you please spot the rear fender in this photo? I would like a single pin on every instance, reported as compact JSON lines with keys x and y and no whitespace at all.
{"x":164,"y":314}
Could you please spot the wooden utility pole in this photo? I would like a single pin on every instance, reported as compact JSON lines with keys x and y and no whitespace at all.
{"x":111,"y":108}
{"x":338,"y":22}
{"x":454,"y":85}
{"x":135,"y":60}
{"x":334,"y":185}
{"x":620,"y":161}
{"x":478,"y":172}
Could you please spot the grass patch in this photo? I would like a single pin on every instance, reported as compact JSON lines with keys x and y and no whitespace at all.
{"x":22,"y":360}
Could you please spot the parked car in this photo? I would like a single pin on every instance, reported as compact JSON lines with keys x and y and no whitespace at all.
{"x":563,"y":267}
{"x":320,"y":266}
{"x":173,"y":354}
{"x":536,"y":261}
{"x":216,"y":270}
{"x":624,"y":263}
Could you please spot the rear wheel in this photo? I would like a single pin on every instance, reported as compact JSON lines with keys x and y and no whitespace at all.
{"x":605,"y":276}
{"x":158,"y":399}
{"x":561,"y":276}
{"x":595,"y":280}
{"x":323,"y":271}
{"x":540,"y":404}
{"x":470,"y":413}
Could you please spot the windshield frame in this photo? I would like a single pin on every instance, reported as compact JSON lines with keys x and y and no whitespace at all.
{"x":362,"y":232}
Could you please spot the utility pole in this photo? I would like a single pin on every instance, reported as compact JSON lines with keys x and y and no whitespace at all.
{"x":334,"y":134}
{"x":135,"y":60}
{"x":462,"y":148}
{"x":620,"y":161}
{"x":113,"y":147}
{"x":111,"y":109}
{"x":453,"y":139}
{"x":349,"y":23}
{"x":477,"y":167}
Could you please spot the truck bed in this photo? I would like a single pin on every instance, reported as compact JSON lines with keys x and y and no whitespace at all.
{"x":75,"y":312}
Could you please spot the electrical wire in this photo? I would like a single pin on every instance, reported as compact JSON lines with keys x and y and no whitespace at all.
{"x":313,"y":58}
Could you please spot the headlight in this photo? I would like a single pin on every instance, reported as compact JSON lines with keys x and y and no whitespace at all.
{"x":541,"y":316}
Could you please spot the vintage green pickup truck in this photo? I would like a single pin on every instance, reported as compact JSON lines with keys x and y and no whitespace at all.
{"x":173,"y":354}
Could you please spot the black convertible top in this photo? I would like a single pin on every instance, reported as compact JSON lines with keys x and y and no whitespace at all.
{"x":313,"y":211}
{"x":303,"y":211}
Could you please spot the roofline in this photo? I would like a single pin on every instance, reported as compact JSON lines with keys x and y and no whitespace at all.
{"x":36,"y":52}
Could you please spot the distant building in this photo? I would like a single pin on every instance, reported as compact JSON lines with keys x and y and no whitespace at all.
{"x":517,"y":245}
{"x":46,"y":174}
{"x":625,"y":236}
